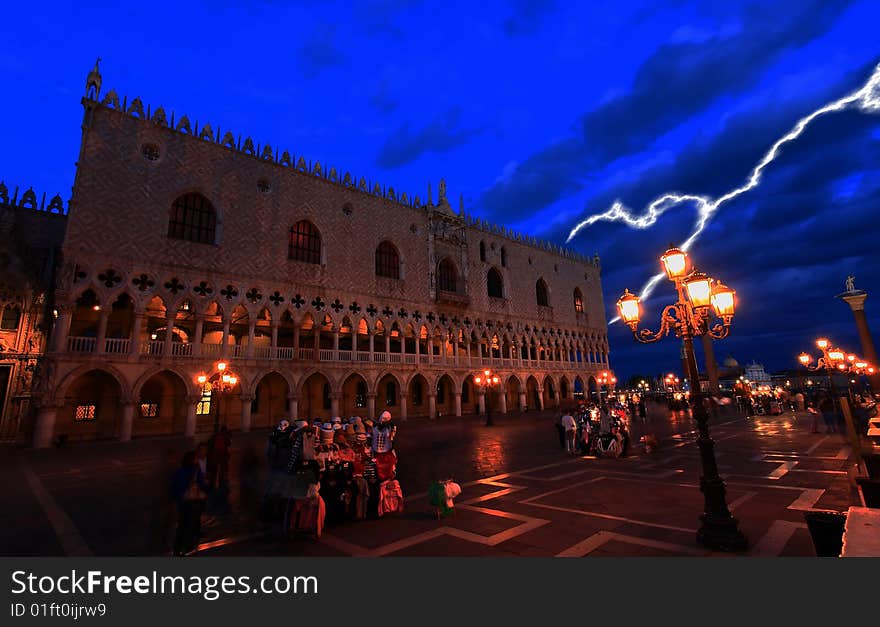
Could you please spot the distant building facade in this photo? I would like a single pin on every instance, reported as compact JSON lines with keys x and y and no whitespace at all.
{"x":31,"y":233}
{"x":326,"y":295}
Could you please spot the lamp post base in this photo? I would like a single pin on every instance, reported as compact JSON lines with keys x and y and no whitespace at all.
{"x":489,"y":422}
{"x":721,"y":534}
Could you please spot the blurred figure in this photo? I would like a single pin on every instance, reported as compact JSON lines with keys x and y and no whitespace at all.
{"x":190,"y":490}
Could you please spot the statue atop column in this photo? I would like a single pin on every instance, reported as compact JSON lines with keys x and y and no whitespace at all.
{"x":850,"y":283}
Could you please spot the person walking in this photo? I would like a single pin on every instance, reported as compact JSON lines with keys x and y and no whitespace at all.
{"x":560,"y":429}
{"x":829,"y":415}
{"x":570,"y":426}
{"x":190,"y":490}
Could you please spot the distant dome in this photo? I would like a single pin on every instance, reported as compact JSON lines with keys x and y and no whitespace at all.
{"x":730,"y":362}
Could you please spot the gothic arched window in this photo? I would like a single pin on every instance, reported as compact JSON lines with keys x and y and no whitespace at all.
{"x":387,"y":261}
{"x":495,"y":284}
{"x":193,"y":219}
{"x":305,"y":243}
{"x":578,"y":301}
{"x":447,"y":276}
{"x":541,"y":293}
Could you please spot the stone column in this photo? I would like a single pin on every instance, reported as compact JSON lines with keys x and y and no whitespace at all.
{"x":502,"y":401}
{"x":224,"y":350}
{"x":387,"y":344}
{"x":125,"y":427}
{"x":61,"y":330}
{"x":522,"y":401}
{"x":432,"y":406}
{"x":371,"y":406}
{"x":134,"y":338}
{"x":246,"y":406}
{"x":458,"y":403}
{"x":403,"y":414}
{"x":541,"y":399}
{"x":252,"y":332}
{"x":192,"y":403}
{"x":334,"y":405}
{"x":430,"y":350}
{"x":296,"y":342}
{"x":335,"y":341}
{"x":481,"y":402}
{"x":197,"y":339}
{"x":102,"y":330}
{"x":273,"y":352}
{"x":856,"y":302}
{"x":292,"y":407}
{"x":372,"y":345}
{"x":44,"y":428}
{"x":169,"y":336}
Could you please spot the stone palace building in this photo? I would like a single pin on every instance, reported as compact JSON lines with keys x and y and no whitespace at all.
{"x":324,"y":294}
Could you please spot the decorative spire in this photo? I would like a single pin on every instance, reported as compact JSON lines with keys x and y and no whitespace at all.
{"x":461,"y":204}
{"x":430,"y":197}
{"x":93,"y":82}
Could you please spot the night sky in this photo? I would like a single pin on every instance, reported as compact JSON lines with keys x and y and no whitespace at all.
{"x":539,"y":113}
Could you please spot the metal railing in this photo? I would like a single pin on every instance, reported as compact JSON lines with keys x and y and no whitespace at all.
{"x":284,"y":352}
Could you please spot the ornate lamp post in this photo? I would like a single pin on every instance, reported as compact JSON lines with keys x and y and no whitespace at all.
{"x":486,"y":380}
{"x":698,"y":298}
{"x":833,"y":361}
{"x":221,"y":380}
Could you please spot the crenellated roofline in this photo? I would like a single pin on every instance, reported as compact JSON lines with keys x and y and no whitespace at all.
{"x":301,"y":164}
{"x":29,"y":200}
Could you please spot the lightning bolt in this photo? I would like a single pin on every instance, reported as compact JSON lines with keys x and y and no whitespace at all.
{"x":866,"y":98}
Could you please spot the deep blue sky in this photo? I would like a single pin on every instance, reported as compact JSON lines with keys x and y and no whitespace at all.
{"x":539,"y":113}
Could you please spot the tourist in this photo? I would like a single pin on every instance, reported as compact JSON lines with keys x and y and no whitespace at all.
{"x":829,"y":414}
{"x":189,"y":489}
{"x":570,"y":426}
{"x":604,"y":419}
{"x":560,"y":430}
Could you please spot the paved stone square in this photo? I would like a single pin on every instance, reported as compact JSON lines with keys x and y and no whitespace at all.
{"x":521,"y":494}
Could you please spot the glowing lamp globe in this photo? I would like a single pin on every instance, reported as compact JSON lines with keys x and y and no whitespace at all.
{"x":836,"y":355}
{"x":675,"y":263}
{"x":804,"y":358}
{"x":850,"y":358}
{"x":221,"y":366}
{"x":699,"y":289}
{"x":841,"y":367}
{"x":822,"y":343}
{"x":487,"y":372}
{"x":628,"y":307}
{"x":233,"y":380}
{"x":496,"y":380}
{"x":202,"y":379}
{"x":477,"y":380}
{"x":861,"y":365}
{"x":226,"y":378}
{"x":723,"y":300}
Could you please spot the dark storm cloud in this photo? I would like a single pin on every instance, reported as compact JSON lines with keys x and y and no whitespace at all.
{"x":677,"y":81}
{"x":382,"y":100}
{"x":407,"y":144}
{"x":527,"y":16}
{"x":319,"y":52}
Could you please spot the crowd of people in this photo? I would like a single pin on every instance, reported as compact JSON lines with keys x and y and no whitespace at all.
{"x":595,"y":429}
{"x":319,"y":473}
{"x":329,"y":472}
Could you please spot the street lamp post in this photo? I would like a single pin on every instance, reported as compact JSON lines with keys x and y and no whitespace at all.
{"x":833,"y":361}
{"x":221,"y":380}
{"x":698,"y":297}
{"x":486,"y":380}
